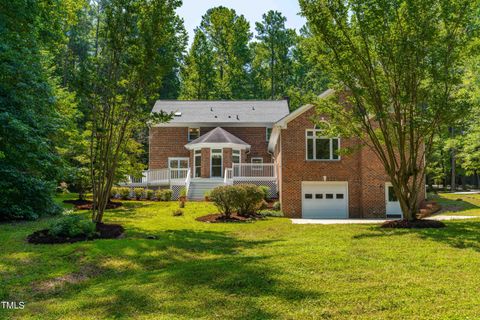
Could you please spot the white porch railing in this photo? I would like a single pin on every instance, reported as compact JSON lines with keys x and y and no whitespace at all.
{"x":261,"y":171}
{"x":187,"y":182}
{"x":159,"y":177}
{"x":228,"y":176}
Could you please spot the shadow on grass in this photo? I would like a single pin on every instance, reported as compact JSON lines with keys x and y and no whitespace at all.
{"x":198,"y":274}
{"x":458,"y":204}
{"x":458,"y":234}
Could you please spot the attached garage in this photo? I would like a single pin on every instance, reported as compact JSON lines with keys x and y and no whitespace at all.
{"x":324,"y":199}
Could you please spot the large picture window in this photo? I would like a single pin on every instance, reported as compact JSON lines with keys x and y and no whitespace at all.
{"x":320,"y":147}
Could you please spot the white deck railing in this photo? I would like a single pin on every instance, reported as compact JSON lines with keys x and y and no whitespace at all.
{"x":263,"y":171}
{"x":159,"y":177}
{"x":239,"y":172}
{"x":187,"y":182}
{"x":227,"y":178}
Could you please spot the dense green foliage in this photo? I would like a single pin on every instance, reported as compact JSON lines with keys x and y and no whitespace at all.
{"x":225,"y":62}
{"x":34,"y":110}
{"x":71,"y":226}
{"x":244,"y":199}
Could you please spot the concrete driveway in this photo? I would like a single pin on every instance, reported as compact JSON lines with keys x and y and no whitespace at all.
{"x":369,"y":221}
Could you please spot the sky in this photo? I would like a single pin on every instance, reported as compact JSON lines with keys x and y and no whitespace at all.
{"x":193,"y":10}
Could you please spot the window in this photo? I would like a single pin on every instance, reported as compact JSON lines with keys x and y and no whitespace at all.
{"x":198,"y":163}
{"x":193,"y":133}
{"x":308,"y":196}
{"x":391,"y":195}
{"x":329,"y":196}
{"x":235,"y":156}
{"x":319,"y":196}
{"x":269,"y":133}
{"x":339,"y":195}
{"x":320,"y":147}
{"x":178,"y":163}
{"x":258,"y":168}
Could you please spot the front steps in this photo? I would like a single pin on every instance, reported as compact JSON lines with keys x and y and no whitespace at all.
{"x":198,"y":187}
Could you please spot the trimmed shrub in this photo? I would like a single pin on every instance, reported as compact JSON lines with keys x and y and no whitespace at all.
{"x":138,"y":192}
{"x":124,"y":193}
{"x":225,"y":199}
{"x":266,"y":192}
{"x":207,"y":195}
{"x":72,"y":226}
{"x":164,"y":194}
{"x":183,"y":192}
{"x":149,"y":194}
{"x":249,"y":199}
{"x":177,"y":212}
{"x":276,"y":206}
{"x":114,"y":192}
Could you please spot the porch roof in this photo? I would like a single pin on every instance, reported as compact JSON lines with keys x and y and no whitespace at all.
{"x":220,"y":138}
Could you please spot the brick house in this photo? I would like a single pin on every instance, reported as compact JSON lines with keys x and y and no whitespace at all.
{"x":211,"y":143}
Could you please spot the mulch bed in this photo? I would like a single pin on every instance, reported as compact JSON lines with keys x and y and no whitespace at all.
{"x":218,"y":218}
{"x":104,"y":231}
{"x":87,"y":204}
{"x":417,"y":224}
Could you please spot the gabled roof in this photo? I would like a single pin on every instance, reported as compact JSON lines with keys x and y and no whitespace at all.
{"x":224,"y":112}
{"x":218,"y":137}
{"x":282,"y":123}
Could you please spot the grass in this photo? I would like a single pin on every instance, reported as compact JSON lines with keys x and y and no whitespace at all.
{"x":268,"y":269}
{"x":458,"y":205}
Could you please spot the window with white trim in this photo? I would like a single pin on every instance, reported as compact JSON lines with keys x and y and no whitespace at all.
{"x":268,"y":133}
{"x":193,"y":133}
{"x":320,"y":147}
{"x":178,"y":163}
{"x":235,"y":156}
{"x":257,"y":160}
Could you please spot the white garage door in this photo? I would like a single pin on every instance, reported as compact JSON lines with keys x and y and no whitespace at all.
{"x":324,"y":200}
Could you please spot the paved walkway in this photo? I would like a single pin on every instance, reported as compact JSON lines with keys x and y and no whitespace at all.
{"x":367,"y":221}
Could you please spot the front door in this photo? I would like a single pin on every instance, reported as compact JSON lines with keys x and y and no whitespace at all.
{"x":216,"y":163}
{"x":392,"y":205}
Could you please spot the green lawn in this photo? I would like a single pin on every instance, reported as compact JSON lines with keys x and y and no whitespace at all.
{"x":264,"y":270}
{"x":458,"y":205}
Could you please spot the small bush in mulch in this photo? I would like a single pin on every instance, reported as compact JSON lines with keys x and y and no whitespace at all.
{"x":103,"y":231}
{"x":177,"y":213}
{"x":417,"y":224}
{"x":87,"y":204}
{"x":217,"y":217}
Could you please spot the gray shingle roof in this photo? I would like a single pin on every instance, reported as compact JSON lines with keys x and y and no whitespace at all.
{"x":249,"y":111}
{"x":218,"y":135}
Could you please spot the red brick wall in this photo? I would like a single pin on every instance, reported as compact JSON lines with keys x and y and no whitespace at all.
{"x":226,"y":159}
{"x":205,"y":163}
{"x":166,"y":142}
{"x":254,"y":136}
{"x":362,"y":170}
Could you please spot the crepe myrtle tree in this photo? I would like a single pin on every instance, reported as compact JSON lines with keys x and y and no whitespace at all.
{"x":400,"y":64}
{"x":129,"y":65}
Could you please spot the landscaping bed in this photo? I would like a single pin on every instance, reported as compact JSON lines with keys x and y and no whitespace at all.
{"x":87,"y":204}
{"x":217,"y":217}
{"x":103,"y":231}
{"x":417,"y":224}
